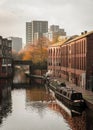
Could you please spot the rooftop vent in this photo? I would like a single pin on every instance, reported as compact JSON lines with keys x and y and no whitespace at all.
{"x":82,"y":33}
{"x":85,"y":32}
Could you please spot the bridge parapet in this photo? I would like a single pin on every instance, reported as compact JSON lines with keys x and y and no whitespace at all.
{"x":22,"y":62}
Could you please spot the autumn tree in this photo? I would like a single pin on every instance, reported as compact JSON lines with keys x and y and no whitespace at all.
{"x":37,"y":52}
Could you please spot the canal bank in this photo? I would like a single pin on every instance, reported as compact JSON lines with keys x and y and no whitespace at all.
{"x":87,"y":95}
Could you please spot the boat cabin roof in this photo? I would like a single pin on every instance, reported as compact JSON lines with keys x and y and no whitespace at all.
{"x":71,"y":93}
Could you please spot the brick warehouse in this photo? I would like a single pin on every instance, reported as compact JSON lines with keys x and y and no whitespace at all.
{"x":5,"y":58}
{"x":72,"y":59}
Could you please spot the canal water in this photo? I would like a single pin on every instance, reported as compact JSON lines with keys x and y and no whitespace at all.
{"x":31,"y":107}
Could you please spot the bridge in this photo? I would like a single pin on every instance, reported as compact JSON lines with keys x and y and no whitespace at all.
{"x":32,"y":67}
{"x":22,"y":62}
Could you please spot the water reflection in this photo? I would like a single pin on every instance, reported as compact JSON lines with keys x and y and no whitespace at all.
{"x":38,"y":93}
{"x":37,"y":99}
{"x":5,"y":99}
{"x":76,"y":123}
{"x":36,"y":109}
{"x":89,"y":119}
{"x":38,"y":102}
{"x":20,"y":77}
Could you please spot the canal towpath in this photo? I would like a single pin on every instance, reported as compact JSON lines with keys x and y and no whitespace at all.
{"x":87,"y":94}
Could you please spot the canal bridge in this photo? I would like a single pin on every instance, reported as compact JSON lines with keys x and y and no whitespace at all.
{"x":22,"y":62}
{"x":32,"y":67}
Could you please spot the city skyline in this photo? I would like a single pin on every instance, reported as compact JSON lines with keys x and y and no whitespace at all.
{"x":73,"y":16}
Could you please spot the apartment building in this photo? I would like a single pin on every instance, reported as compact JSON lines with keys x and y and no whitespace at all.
{"x":73,"y":60}
{"x":5,"y":58}
{"x":35,"y":30}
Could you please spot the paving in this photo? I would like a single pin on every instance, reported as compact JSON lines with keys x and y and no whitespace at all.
{"x":87,"y":94}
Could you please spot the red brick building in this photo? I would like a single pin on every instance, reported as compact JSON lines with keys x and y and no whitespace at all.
{"x":54,"y":59}
{"x":73,"y":60}
{"x":5,"y":58}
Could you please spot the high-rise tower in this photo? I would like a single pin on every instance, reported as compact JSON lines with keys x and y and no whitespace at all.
{"x":35,"y":30}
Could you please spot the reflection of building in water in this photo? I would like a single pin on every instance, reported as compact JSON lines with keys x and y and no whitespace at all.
{"x":19,"y":76}
{"x":37,"y":100}
{"x":5,"y":99}
{"x":37,"y":94}
{"x":76,"y":123}
{"x":89,"y":120}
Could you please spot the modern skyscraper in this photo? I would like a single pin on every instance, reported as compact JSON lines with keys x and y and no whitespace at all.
{"x":35,"y":30}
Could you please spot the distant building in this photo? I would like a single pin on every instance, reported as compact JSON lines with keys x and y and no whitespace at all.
{"x":16,"y":43}
{"x":48,"y":35}
{"x":28,"y":32}
{"x":54,"y":28}
{"x":35,"y":30}
{"x":54,"y":32}
{"x":5,"y":58}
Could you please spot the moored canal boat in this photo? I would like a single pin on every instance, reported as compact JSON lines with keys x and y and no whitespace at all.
{"x":53,"y":85}
{"x":71,"y":98}
{"x":67,"y":95}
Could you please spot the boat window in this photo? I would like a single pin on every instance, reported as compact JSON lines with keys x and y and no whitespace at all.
{"x":76,"y":96}
{"x":60,"y":91}
{"x":63,"y":84}
{"x":64,"y":93}
{"x":68,"y":95}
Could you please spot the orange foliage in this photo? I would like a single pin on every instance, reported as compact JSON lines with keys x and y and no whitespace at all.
{"x":36,"y":53}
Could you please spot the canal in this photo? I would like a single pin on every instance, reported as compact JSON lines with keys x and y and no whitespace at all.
{"x":31,"y":107}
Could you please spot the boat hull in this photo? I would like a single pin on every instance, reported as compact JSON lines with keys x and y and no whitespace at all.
{"x":77,"y":106}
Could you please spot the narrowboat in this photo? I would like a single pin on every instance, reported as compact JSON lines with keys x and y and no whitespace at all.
{"x":71,"y":98}
{"x":54,"y":85}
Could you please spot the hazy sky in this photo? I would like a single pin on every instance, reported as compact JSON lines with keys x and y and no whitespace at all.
{"x":74,"y":16}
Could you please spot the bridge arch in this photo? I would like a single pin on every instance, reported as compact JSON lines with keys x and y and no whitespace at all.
{"x":20,"y":63}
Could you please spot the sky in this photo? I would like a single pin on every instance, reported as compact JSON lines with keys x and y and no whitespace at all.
{"x":75,"y":16}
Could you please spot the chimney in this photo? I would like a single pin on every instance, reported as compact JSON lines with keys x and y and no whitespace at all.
{"x":85,"y":32}
{"x":82,"y":33}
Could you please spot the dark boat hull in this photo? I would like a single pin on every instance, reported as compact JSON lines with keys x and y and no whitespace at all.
{"x":77,"y":106}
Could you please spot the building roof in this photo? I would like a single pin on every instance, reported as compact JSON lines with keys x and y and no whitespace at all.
{"x":59,"y":43}
{"x":56,"y":44}
{"x":72,"y":39}
{"x":84,"y":34}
